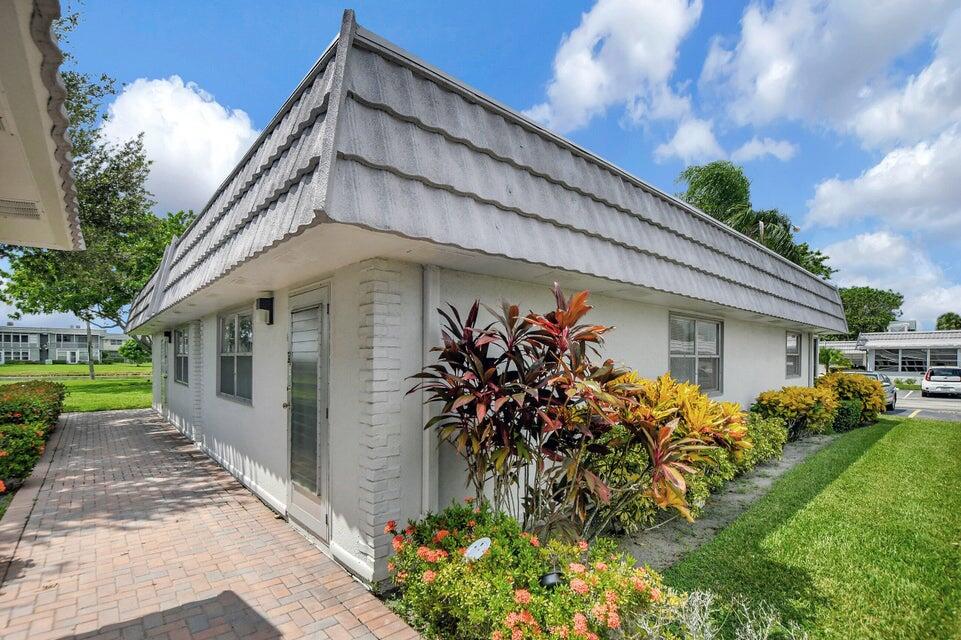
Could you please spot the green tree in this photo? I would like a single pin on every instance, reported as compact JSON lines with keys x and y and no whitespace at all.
{"x":869,"y":309}
{"x":722,"y":190}
{"x":949,"y":320}
{"x":134,"y":351}
{"x":719,"y":189}
{"x":833,"y":359}
{"x":124,"y":239}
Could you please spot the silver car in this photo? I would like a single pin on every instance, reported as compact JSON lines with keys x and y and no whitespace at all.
{"x":890,"y":391}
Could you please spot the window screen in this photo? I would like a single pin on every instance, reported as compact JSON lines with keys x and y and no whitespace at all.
{"x":695,"y":351}
{"x":793,"y":354}
{"x":236,"y":336}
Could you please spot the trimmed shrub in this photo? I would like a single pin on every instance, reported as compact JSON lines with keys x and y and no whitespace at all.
{"x":767,"y":436}
{"x":803,"y":409}
{"x":20,"y":448}
{"x":848,"y":416}
{"x":34,"y":401}
{"x":850,"y":386}
{"x":599,"y":592}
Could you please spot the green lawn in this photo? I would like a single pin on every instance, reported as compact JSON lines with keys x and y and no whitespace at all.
{"x":28,"y":370}
{"x":107,"y":393}
{"x":861,"y":541}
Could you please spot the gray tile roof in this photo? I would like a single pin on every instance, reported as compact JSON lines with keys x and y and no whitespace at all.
{"x":911,"y":340}
{"x":376,"y":138}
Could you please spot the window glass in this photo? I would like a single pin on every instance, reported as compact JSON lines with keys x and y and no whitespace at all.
{"x":709,"y":374}
{"x":228,"y":329}
{"x":708,"y":338}
{"x":682,"y":335}
{"x":245,"y":334}
{"x":886,"y":360}
{"x":914,"y":360}
{"x":236,"y":361}
{"x":944,"y":357}
{"x":227,"y":375}
{"x":695,"y":352}
{"x":683,"y":369}
{"x":181,"y":351}
{"x":245,"y":376}
{"x":793,"y":354}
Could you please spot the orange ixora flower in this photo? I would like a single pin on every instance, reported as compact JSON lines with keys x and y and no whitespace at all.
{"x":522,"y":596}
{"x":390,"y":527}
{"x":576,"y":567}
{"x":582,"y":545}
{"x":440,"y":535}
{"x":428,"y":576}
{"x":580,"y":587}
{"x":397,"y":543}
{"x":3,"y":487}
{"x":531,"y":538}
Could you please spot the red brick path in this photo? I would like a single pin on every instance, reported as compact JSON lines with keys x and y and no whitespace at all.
{"x":137,"y":534}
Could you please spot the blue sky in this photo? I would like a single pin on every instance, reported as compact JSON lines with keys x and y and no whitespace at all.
{"x":853,"y":108}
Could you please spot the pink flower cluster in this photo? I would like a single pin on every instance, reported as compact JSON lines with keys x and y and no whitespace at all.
{"x":431,"y":555}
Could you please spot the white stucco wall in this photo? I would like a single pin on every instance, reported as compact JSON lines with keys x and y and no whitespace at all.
{"x":376,"y":440}
{"x":754,"y":357}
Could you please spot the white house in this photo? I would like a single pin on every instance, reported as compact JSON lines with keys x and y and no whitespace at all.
{"x":287,"y":318}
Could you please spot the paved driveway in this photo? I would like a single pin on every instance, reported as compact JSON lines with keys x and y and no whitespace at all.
{"x":126,"y":530}
{"x":912,"y":404}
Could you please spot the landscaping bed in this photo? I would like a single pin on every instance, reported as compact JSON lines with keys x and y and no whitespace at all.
{"x":28,"y":413}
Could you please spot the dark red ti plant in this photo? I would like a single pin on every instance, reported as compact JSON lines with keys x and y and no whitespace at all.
{"x":522,"y":403}
{"x":479,"y":381}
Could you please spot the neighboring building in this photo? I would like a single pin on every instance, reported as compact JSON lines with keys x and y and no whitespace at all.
{"x":56,"y":344}
{"x":902,"y":350}
{"x":286,"y":320}
{"x":910,"y":353}
{"x":38,"y":203}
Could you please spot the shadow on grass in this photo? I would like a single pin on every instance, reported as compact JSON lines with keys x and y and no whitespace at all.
{"x":735,"y":564}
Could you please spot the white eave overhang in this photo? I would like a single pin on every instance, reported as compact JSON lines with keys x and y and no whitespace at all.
{"x":38,"y":204}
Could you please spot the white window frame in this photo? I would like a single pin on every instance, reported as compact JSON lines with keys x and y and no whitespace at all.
{"x":788,"y":372}
{"x":182,"y":355}
{"x":235,"y":353}
{"x":695,"y":356}
{"x":16,"y":355}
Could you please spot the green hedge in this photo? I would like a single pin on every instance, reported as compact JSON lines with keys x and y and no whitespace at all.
{"x":28,"y":411}
{"x":20,"y":448}
{"x":35,"y":401}
{"x":848,"y":416}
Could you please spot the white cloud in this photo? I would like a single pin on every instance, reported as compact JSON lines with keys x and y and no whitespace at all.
{"x":929,"y":100}
{"x":192,"y":140}
{"x":622,"y":53}
{"x":693,"y":141}
{"x":816,"y":60}
{"x":758,"y":148}
{"x":918,"y":186}
{"x":890,"y":261}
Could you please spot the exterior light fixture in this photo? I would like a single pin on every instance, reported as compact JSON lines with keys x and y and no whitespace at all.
{"x":266,"y":308}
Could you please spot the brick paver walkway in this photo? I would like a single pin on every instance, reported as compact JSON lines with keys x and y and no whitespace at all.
{"x":135,"y":533}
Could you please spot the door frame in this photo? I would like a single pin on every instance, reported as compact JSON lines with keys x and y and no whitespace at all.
{"x":305,"y":298}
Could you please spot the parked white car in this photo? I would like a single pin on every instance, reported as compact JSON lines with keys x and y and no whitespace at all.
{"x":941,"y":380}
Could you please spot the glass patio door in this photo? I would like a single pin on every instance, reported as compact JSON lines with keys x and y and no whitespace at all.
{"x":307,"y":385}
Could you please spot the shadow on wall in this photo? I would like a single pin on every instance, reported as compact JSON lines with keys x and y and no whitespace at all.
{"x":224,"y":616}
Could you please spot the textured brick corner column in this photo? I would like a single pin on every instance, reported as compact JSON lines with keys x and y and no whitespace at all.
{"x":380,"y":318}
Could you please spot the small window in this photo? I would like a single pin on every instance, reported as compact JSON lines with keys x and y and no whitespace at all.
{"x":181,"y":355}
{"x":793,"y":354}
{"x":695,"y":352}
{"x":236,"y":355}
